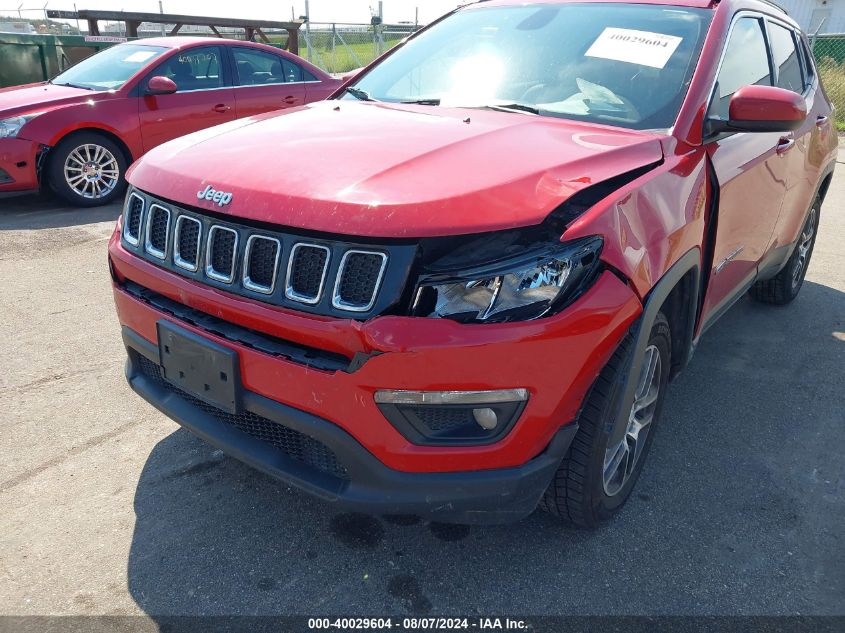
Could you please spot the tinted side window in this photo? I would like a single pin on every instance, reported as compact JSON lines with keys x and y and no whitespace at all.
{"x":785,"y":56}
{"x":292,"y":71}
{"x":194,"y":69}
{"x":257,"y":68}
{"x":746,"y":62}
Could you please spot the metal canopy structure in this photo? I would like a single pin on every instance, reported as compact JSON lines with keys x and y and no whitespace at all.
{"x":133,"y":20}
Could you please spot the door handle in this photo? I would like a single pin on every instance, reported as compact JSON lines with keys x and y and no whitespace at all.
{"x":290,"y":99}
{"x":785,"y":144}
{"x":221,"y":107}
{"x":821,"y":120}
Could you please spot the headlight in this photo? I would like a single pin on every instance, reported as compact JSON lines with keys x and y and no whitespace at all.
{"x":10,"y":127}
{"x":516,"y":289}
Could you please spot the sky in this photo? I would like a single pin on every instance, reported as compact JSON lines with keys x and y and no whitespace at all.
{"x":356,"y":11}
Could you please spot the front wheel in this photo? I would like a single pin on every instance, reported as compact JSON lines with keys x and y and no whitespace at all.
{"x":595,"y":478}
{"x":87,"y":169}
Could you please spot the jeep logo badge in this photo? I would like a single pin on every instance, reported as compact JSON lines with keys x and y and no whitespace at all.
{"x":222,"y":198}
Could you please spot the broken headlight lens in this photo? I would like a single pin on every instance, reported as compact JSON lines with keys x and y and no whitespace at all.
{"x":529,"y":286}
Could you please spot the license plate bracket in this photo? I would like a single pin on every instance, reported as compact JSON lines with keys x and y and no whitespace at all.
{"x":199,"y":366}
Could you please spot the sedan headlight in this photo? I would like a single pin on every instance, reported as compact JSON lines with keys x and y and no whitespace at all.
{"x":520,"y":288}
{"x":10,"y":127}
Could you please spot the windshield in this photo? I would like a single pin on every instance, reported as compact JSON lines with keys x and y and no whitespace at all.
{"x":621,"y":64}
{"x":109,"y":69}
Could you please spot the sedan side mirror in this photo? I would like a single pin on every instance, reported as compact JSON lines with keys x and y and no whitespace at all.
{"x":761,"y":109}
{"x":160,"y":85}
{"x":347,"y":77}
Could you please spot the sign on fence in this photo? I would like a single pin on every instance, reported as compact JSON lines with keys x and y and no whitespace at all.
{"x":105,"y":39}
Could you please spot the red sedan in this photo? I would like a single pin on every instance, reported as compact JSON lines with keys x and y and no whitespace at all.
{"x":80,"y":131}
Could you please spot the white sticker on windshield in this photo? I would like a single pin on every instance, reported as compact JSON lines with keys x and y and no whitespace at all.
{"x":636,"y":47}
{"x":139,"y":57}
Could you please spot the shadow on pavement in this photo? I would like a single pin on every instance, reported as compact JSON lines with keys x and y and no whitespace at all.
{"x":46,"y":211}
{"x":736,"y":512}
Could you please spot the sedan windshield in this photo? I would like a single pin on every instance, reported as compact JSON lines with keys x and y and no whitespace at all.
{"x":109,"y":69}
{"x":621,"y":64}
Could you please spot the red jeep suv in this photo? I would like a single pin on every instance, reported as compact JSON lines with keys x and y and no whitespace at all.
{"x":460,"y":287}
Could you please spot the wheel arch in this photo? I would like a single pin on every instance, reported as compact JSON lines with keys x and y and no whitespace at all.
{"x":115,"y":138}
{"x":827,"y":178}
{"x":677,"y":292}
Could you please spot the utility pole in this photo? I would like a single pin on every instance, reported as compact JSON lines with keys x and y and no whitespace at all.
{"x":308,"y":29}
{"x":161,"y":12}
{"x":380,"y":27}
{"x":416,"y":18}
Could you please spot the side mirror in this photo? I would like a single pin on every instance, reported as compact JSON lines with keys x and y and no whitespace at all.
{"x":347,"y":77}
{"x":160,"y":85}
{"x":762,"y":109}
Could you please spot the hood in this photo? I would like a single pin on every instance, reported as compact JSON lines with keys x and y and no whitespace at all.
{"x":382,"y":170}
{"x":35,"y":97}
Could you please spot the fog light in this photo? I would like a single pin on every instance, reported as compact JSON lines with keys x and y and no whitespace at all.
{"x":486,"y":418}
{"x":452,"y":417}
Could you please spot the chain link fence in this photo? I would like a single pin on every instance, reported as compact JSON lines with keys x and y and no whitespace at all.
{"x":829,"y":51}
{"x":339,"y":48}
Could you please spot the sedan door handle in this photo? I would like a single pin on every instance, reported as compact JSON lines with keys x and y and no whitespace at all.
{"x":821,"y":120}
{"x":221,"y":107}
{"x":290,"y":99}
{"x":785,"y":144}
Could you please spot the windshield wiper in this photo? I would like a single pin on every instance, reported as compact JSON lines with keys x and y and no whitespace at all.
{"x":363,"y":95}
{"x":72,"y":85}
{"x":513,"y":107}
{"x":431,"y":102}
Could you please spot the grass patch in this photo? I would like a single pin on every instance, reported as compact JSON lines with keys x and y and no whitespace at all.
{"x":334,"y":56}
{"x":833,"y":79}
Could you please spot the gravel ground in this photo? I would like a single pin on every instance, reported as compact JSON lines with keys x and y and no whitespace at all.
{"x":109,"y":508}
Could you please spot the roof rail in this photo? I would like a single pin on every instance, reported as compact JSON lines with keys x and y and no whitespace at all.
{"x":771,"y":3}
{"x":775,"y":5}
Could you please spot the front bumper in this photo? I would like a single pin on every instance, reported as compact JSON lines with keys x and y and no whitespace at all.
{"x":18,"y":164}
{"x":364,"y":484}
{"x":556,"y":359}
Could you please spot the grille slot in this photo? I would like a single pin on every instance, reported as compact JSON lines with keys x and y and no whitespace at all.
{"x":158,"y":231}
{"x":307,"y":268}
{"x":186,"y":243}
{"x":220,"y":255}
{"x":132,"y":217}
{"x":358,"y":280}
{"x":298,"y":446}
{"x":261,"y":263}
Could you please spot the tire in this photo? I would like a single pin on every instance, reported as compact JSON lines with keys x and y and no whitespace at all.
{"x":87,"y":169}
{"x":785,"y":286}
{"x":579,"y":493}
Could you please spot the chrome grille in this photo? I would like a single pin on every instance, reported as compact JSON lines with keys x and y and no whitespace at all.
{"x":220,"y":256}
{"x":319,"y":275}
{"x":186,"y":242}
{"x":307,"y":268}
{"x":261,"y":263}
{"x":358,"y":280}
{"x":132,"y":217}
{"x":158,"y":230}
